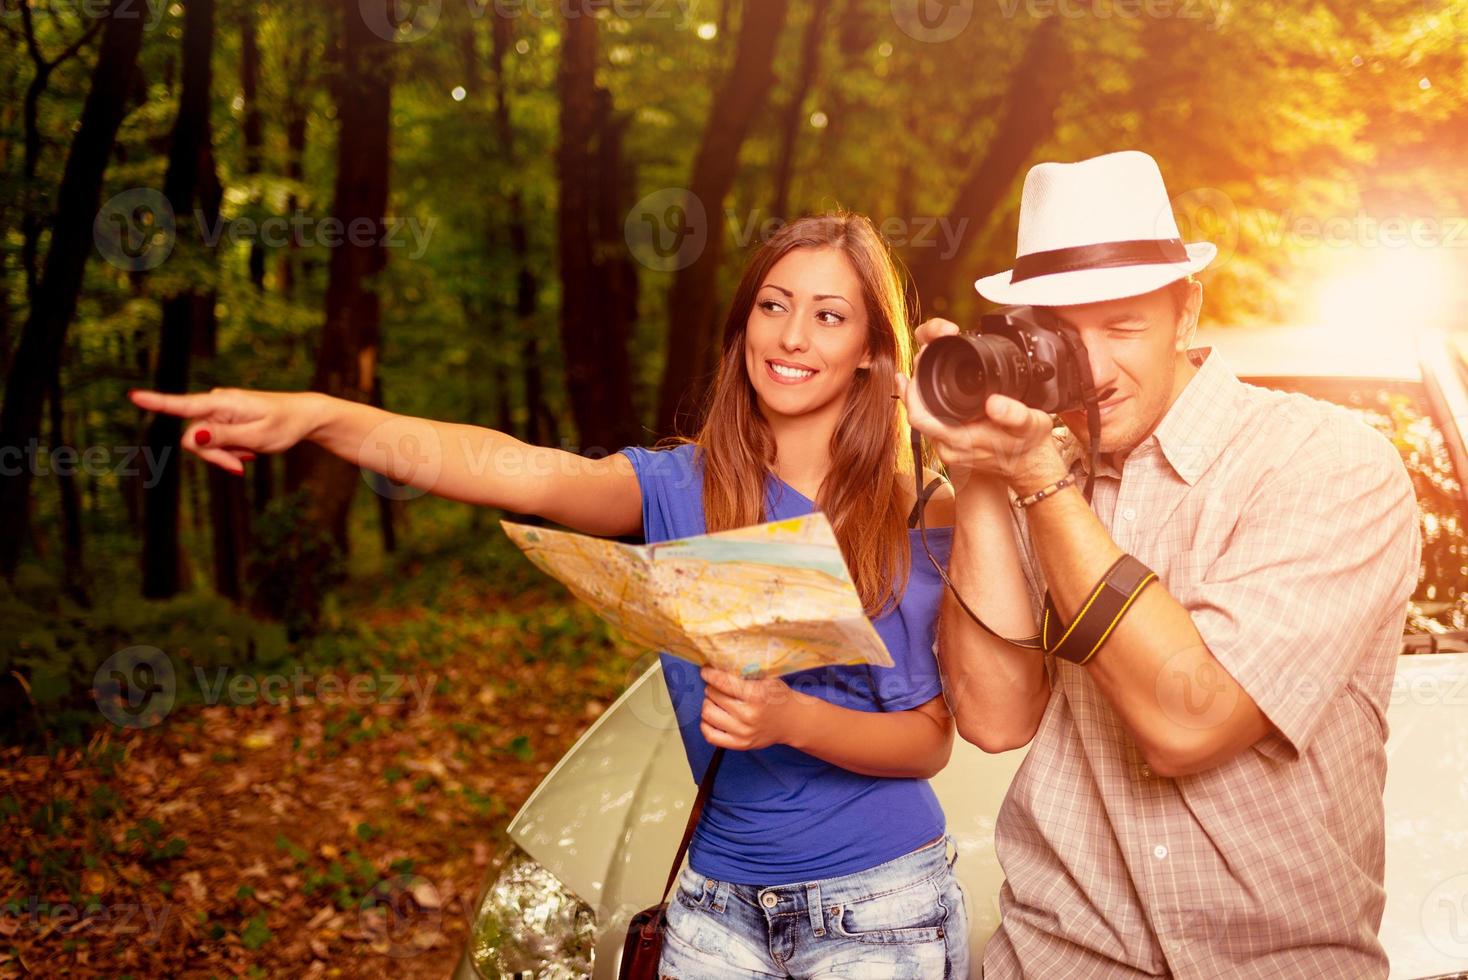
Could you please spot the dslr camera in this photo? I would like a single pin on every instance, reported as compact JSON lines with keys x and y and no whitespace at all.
{"x":1020,"y":351}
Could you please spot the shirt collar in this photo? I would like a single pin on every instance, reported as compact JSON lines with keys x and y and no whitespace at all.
{"x":1195,"y":429}
{"x":1193,"y":432}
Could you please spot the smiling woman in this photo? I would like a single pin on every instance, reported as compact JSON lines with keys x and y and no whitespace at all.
{"x":813,"y":341}
{"x":821,"y":840}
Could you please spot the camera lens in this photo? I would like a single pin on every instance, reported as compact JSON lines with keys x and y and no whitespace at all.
{"x":957,"y":374}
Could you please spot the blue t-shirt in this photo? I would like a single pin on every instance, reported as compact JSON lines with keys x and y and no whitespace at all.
{"x":778,"y":815}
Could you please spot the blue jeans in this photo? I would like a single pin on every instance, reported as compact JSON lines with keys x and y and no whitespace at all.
{"x":901,"y":920}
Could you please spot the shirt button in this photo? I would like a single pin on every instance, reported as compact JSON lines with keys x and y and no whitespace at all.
{"x":1129,"y":514}
{"x":768,"y":900}
{"x":1159,"y":852}
{"x":1146,"y":771}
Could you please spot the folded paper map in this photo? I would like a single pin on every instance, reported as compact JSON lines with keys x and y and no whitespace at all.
{"x":762,"y":600}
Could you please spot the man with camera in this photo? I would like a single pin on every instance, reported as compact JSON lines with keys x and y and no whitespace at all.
{"x":1206,"y":645}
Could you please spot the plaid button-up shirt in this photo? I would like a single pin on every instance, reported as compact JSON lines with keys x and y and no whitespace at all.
{"x":1288,"y":529}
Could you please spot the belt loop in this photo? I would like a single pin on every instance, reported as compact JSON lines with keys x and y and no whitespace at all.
{"x":721,"y":896}
{"x":813,"y":908}
{"x":952,"y":846}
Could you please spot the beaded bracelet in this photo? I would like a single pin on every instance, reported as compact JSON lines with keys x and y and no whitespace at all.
{"x":1054,"y":488}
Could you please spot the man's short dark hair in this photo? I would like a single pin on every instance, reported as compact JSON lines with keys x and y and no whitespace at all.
{"x":1178,"y":292}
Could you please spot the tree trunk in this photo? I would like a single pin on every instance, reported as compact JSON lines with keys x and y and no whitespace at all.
{"x":38,"y":356}
{"x":593,"y":336}
{"x":1035,"y":89}
{"x":289,"y":271}
{"x":385,"y":521}
{"x":540,"y":426}
{"x":346,"y":362}
{"x":188,"y":149}
{"x":794,"y":114}
{"x":616,"y":279}
{"x":74,"y":577}
{"x":692,"y":347}
{"x":229,"y":506}
{"x":251,"y":129}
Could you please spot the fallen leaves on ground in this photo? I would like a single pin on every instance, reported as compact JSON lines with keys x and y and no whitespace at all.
{"x":344,"y":831}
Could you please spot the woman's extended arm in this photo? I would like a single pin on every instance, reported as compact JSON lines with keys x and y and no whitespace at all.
{"x":460,"y":462}
{"x":751,"y":714}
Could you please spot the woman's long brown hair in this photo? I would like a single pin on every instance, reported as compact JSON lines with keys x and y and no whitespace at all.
{"x":859,"y":495}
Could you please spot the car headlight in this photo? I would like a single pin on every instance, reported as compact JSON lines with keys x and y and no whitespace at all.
{"x":529,"y":925}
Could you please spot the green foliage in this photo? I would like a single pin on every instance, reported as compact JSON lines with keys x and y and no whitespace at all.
{"x":1260,"y":114}
{"x":294,"y":563}
{"x":255,"y":933}
{"x":150,"y":837}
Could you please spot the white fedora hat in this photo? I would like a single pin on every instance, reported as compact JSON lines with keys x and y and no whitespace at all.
{"x":1095,"y":230}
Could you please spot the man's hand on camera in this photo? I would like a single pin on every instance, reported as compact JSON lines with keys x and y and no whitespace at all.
{"x":1013,"y":442}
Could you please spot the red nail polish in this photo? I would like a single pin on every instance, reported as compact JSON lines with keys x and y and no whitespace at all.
{"x":202,"y":438}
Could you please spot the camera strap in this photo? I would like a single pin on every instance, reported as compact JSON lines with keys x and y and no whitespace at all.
{"x":923,"y":495}
{"x":1098,"y":615}
{"x":1093,"y":428}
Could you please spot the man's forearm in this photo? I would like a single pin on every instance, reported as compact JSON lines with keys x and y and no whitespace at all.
{"x":1154,"y":642}
{"x":996,"y":690}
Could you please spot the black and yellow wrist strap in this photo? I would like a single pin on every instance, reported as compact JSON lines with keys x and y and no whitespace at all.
{"x":1099,"y":614}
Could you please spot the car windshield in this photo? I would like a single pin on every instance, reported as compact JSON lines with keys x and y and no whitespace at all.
{"x":1399,"y":410}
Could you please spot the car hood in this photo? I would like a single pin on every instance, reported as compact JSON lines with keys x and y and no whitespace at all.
{"x":607,"y":820}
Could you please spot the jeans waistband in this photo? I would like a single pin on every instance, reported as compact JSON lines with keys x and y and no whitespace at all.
{"x":928,"y":861}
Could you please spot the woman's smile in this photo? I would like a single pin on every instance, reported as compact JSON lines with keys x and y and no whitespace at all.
{"x":788,"y":372}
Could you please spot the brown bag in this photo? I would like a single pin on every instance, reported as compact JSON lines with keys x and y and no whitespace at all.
{"x":644,"y":947}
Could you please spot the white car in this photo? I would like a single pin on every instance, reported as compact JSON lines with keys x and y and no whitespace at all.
{"x":594,"y":841}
